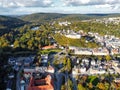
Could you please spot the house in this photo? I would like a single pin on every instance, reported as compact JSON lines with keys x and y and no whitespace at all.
{"x":44,"y":56}
{"x":50,"y":69}
{"x":94,"y":71}
{"x":40,"y":81}
{"x":113,"y":42}
{"x":111,"y":70}
{"x":41,"y":69}
{"x":66,"y":23}
{"x":73,"y":36}
{"x":72,"y":47}
{"x":49,"y":47}
{"x":93,"y":62}
{"x":114,"y":51}
{"x":27,"y":62}
{"x":82,"y":70}
{"x":115,"y":63}
{"x":44,"y":59}
{"x":29,"y":70}
{"x":117,"y":80}
{"x":83,"y":51}
{"x":75,"y":71}
{"x":100,"y":51}
{"x":11,"y":60}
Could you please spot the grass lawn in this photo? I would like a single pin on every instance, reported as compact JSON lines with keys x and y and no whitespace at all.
{"x":62,"y":40}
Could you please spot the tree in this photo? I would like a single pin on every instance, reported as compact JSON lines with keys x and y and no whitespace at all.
{"x":107,"y":86}
{"x":90,"y":85}
{"x":99,"y":57}
{"x":4,"y":42}
{"x":101,"y":86}
{"x":30,"y":44}
{"x":70,"y":85}
{"x":63,"y":87}
{"x":80,"y":87}
{"x":108,"y":57}
{"x":67,"y":64}
{"x":16,"y":44}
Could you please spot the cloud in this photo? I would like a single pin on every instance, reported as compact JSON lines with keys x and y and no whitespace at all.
{"x":25,"y":3}
{"x":90,"y":2}
{"x":59,"y":6}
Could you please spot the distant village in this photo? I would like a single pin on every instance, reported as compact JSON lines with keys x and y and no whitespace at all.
{"x":109,"y":44}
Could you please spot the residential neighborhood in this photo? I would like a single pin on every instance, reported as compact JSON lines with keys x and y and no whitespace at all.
{"x":52,"y":51}
{"x":40,"y":72}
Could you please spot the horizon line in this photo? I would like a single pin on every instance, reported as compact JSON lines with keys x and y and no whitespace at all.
{"x":58,"y":13}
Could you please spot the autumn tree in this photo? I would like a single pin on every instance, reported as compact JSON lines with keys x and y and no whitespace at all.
{"x":108,"y":57}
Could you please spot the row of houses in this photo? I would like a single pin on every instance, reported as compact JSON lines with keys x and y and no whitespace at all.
{"x":94,"y":51}
{"x":106,"y":40}
{"x":92,"y":67}
{"x":71,"y":34}
{"x":114,"y":20}
{"x":29,"y":71}
{"x":64,"y":23}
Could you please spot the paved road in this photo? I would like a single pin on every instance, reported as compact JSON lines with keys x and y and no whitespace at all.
{"x":9,"y":84}
{"x":18,"y":77}
{"x":59,"y":77}
{"x":74,"y":82}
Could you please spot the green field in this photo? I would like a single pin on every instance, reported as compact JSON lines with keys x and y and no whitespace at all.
{"x":62,"y":40}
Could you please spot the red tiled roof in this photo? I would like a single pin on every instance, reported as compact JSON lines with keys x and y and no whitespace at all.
{"x":48,"y":47}
{"x":41,"y":84}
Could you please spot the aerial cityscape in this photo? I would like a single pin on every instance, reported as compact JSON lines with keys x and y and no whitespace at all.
{"x":59,"y":45}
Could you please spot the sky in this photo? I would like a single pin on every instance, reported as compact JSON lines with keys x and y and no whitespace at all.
{"x":20,"y":7}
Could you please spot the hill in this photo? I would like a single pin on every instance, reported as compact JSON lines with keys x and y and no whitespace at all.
{"x":9,"y":23}
{"x":43,"y":17}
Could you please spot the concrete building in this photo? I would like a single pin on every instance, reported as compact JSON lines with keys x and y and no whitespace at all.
{"x":83,"y":51}
{"x":100,"y":51}
{"x":73,"y":36}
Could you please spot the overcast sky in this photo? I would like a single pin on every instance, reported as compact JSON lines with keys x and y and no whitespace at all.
{"x":18,"y":7}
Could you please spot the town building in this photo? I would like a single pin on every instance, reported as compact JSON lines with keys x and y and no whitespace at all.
{"x":100,"y":51}
{"x":40,"y":81}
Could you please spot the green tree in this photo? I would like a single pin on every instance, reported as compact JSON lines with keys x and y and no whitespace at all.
{"x":68,"y":66}
{"x":80,"y":87}
{"x":69,"y":85}
{"x":107,"y":86}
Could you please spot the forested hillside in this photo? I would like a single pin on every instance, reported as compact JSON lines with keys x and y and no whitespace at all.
{"x":9,"y":23}
{"x":43,"y":17}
